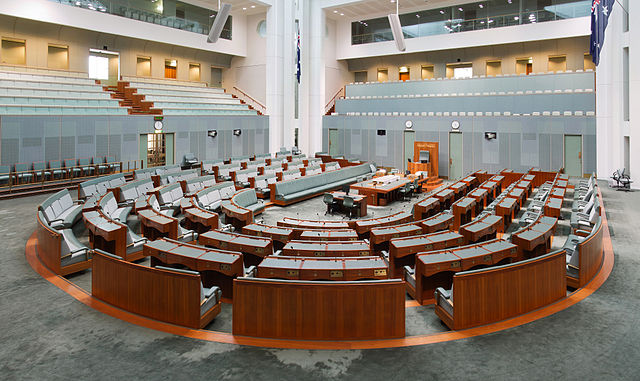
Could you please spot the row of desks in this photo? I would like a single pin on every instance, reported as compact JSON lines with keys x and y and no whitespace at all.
{"x":345,"y":269}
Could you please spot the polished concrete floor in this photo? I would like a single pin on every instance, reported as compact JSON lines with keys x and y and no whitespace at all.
{"x":46,"y":334}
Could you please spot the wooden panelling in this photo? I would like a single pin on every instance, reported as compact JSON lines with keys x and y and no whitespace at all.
{"x":491,"y":295}
{"x":591,"y":254}
{"x":318,"y":310}
{"x":162,"y":295}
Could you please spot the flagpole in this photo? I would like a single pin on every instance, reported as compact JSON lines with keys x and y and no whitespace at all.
{"x":625,"y":11}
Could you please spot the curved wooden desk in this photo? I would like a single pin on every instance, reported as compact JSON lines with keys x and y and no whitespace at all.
{"x":327,"y":249}
{"x":482,"y":229}
{"x":441,"y":221}
{"x":306,"y":268}
{"x":312,"y":224}
{"x":363,"y":227}
{"x":253,"y":248}
{"x":154,"y":225}
{"x":535,"y":239}
{"x":216,"y":267}
{"x":464,"y":210}
{"x":426,"y":208}
{"x":436,"y":268}
{"x":402,"y":251}
{"x":380,"y":237}
{"x":329,"y":235}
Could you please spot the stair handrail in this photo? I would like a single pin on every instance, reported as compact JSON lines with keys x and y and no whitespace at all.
{"x":254,"y":103}
{"x":328,"y":106}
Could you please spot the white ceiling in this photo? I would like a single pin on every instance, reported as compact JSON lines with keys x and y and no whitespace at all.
{"x":237,"y":6}
{"x":365,"y":9}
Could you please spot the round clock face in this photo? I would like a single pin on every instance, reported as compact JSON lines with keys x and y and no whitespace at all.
{"x":455,"y":124}
{"x":157,"y":125}
{"x":408,"y":124}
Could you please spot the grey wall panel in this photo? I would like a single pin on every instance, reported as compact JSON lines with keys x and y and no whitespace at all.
{"x":67,"y":147}
{"x":515,"y":153}
{"x":544,"y":149}
{"x":468,"y":152}
{"x":356,"y":142}
{"x":102,"y":145}
{"x":52,"y":148}
{"x":530,"y":149}
{"x":10,"y":150}
{"x":130,"y":146}
{"x":589,"y":162}
{"x":505,"y":153}
{"x":557,"y":151}
{"x":443,"y":159}
{"x":115,"y":146}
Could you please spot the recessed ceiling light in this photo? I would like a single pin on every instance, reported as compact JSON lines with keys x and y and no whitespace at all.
{"x":253,"y":6}
{"x":335,"y":11}
{"x":244,"y":8}
{"x":516,"y":18}
{"x":460,"y":9}
{"x":341,"y":14}
{"x":481,"y":6}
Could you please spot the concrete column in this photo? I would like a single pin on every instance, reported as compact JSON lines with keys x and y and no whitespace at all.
{"x":633,"y":126}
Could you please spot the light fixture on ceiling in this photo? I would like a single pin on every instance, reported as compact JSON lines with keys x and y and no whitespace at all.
{"x":460,"y":9}
{"x":218,"y":23}
{"x":481,"y":5}
{"x":253,"y":6}
{"x":244,"y":8}
{"x":396,"y":28}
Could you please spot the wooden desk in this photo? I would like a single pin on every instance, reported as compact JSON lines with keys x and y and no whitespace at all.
{"x":445,"y":197}
{"x":380,"y":190}
{"x":526,"y":185}
{"x":312,"y":224}
{"x":200,"y":220}
{"x":106,"y":234}
{"x":553,"y":207}
{"x":480,"y":195}
{"x":459,"y":190}
{"x":482,"y":229}
{"x":507,"y":209}
{"x":252,"y":248}
{"x":327,"y":249}
{"x":306,"y":268}
{"x":279,"y":235}
{"x":402,"y":251}
{"x":535,"y":240}
{"x":426,"y":208}
{"x":237,"y":215}
{"x":363,"y":227}
{"x":436,"y":268}
{"x":441,"y":221}
{"x":359,"y":200}
{"x":519,"y":194}
{"x":558,"y":193}
{"x":328,"y":235}
{"x":216,"y":267}
{"x":380,"y":237}
{"x":463,"y":211}
{"x":492,"y":187}
{"x":154,"y":225}
{"x":471,"y":182}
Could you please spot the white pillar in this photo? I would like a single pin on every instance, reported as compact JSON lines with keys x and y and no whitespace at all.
{"x":609,"y":99}
{"x":280,"y":66}
{"x":633,"y":126}
{"x":312,"y":86}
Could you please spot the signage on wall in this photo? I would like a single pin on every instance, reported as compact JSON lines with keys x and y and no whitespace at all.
{"x":157,"y":124}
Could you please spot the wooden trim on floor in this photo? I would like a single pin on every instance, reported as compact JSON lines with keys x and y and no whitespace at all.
{"x":86,"y":298}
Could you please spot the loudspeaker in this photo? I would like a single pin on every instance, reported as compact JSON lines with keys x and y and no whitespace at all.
{"x":396,"y":29}
{"x":218,"y":22}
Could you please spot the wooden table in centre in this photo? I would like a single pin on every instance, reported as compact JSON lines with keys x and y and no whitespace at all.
{"x":358,"y":199}
{"x":380,"y":190}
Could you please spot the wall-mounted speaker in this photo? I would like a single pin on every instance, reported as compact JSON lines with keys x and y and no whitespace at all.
{"x":218,"y":22}
{"x":396,"y":29}
{"x":382,"y":132}
{"x":490,"y":135}
{"x":237,"y":132}
{"x":212,"y":133}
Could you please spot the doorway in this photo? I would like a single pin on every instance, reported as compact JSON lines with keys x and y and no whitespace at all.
{"x":334,"y":143}
{"x":156,"y":149}
{"x":171,"y":69}
{"x":105,"y":66}
{"x":573,"y":155}
{"x":524,"y":66}
{"x":409,"y":139}
{"x":216,"y":77}
{"x":403,"y":73}
{"x":383,"y":75}
{"x":455,"y":155}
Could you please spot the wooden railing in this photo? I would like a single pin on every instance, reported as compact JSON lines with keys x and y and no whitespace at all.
{"x":332,"y":102}
{"x":251,"y":101}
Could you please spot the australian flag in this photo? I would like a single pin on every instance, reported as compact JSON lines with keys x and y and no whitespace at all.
{"x":298,"y":55}
{"x":600,"y":10}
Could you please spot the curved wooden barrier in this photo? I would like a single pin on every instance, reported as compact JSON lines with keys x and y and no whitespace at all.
{"x":159,"y":294}
{"x":316,"y":310}
{"x":591,"y":255}
{"x":494,"y":294}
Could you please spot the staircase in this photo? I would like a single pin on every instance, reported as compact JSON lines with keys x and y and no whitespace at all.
{"x":248,"y":105}
{"x":432,"y":183}
{"x":129,"y":98}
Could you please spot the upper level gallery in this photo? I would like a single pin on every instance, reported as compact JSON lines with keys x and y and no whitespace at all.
{"x":441,"y":25}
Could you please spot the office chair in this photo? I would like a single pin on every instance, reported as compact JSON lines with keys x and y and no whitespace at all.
{"x":349,"y":205}
{"x":330,"y":202}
